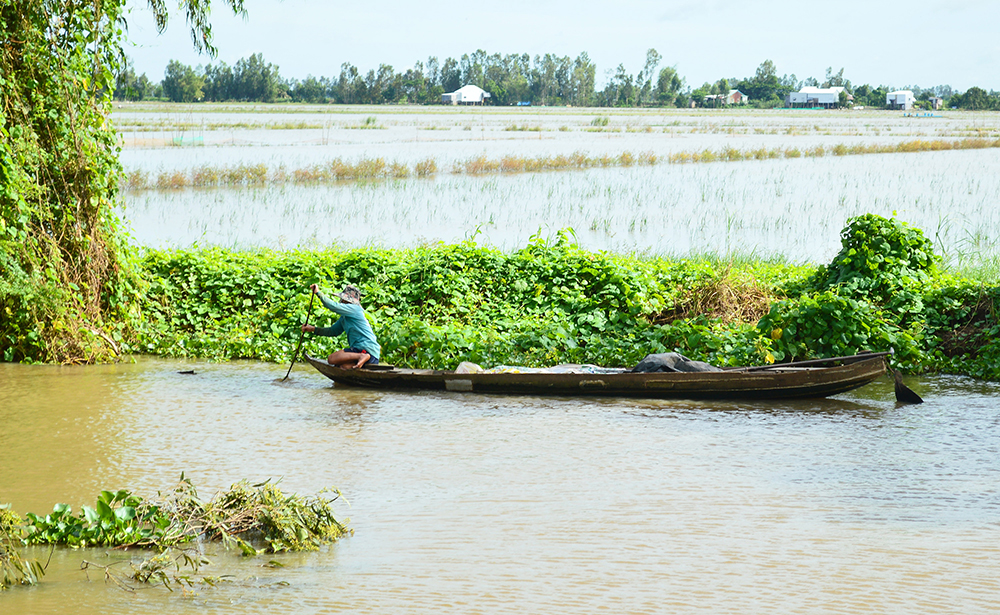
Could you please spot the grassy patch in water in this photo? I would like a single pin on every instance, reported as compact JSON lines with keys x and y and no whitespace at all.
{"x":379,"y":169}
{"x":242,"y":175}
{"x":522,"y":128}
{"x":370,"y":123}
{"x":731,"y":154}
{"x":482,"y":165}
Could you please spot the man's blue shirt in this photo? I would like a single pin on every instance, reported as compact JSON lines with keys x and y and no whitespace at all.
{"x":352,"y":321}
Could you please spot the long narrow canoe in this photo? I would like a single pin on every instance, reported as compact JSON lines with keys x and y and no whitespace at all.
{"x":773,"y":382}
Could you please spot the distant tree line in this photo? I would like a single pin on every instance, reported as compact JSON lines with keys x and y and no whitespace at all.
{"x":977,"y":98}
{"x":766,"y":89}
{"x":510,"y":79}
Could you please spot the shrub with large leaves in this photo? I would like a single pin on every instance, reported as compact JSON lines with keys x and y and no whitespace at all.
{"x":869,"y":298}
{"x":828,"y":325}
{"x":879,"y":257}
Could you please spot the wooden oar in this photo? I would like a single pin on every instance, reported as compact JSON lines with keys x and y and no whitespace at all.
{"x":302,"y":335}
{"x":904,"y":394}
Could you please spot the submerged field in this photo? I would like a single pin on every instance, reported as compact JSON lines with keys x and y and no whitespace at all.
{"x":782,"y":208}
{"x":788,"y":207}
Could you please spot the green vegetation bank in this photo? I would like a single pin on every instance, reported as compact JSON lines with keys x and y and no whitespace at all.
{"x":553,"y":302}
{"x":66,"y":281}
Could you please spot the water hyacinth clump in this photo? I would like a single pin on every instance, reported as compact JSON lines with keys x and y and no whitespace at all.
{"x":243,"y":516}
{"x":251,"y":518}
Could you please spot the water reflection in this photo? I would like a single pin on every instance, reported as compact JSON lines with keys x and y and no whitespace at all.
{"x":696,"y":409}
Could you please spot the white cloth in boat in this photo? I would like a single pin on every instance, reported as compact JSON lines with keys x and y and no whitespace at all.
{"x":563,"y":368}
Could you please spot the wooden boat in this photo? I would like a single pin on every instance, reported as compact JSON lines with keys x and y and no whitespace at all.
{"x":818,"y":378}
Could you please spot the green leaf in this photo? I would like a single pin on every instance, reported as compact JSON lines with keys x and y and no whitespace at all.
{"x":104,"y":511}
{"x":125,"y":513}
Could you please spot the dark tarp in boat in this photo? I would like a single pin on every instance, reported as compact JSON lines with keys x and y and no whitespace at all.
{"x":671,"y":362}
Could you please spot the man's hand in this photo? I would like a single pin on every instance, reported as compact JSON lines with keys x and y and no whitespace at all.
{"x":308,"y":328}
{"x":315,"y":289}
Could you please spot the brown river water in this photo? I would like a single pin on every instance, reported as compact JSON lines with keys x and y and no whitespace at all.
{"x":489,"y":504}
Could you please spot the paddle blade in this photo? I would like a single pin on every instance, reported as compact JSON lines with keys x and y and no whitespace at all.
{"x":903,"y":393}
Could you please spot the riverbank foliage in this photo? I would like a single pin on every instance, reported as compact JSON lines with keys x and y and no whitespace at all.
{"x":66,"y":280}
{"x":554,"y":302}
{"x":437,"y":305}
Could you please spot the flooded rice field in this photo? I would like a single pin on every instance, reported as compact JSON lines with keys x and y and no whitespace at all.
{"x":792,"y":207}
{"x":492,"y":504}
{"x":180,"y":136}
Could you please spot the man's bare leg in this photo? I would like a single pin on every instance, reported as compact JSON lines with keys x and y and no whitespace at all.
{"x":348,"y":360}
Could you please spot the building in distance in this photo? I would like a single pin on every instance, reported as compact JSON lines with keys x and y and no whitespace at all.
{"x":734,"y":97}
{"x":900,"y":99}
{"x":466,"y":95}
{"x":812,"y":97}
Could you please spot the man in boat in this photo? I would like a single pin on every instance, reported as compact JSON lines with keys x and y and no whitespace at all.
{"x":362,"y":347}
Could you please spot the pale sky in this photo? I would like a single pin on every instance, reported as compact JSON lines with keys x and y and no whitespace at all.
{"x":918,"y":42}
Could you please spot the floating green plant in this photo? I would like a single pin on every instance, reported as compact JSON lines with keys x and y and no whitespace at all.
{"x":253,"y":518}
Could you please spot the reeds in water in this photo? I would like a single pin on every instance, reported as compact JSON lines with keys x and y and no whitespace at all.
{"x":370,"y":123}
{"x":239,"y":175}
{"x":210,"y":176}
{"x":731,"y":154}
{"x":522,"y":128}
{"x":481,"y":165}
{"x":425,"y":168}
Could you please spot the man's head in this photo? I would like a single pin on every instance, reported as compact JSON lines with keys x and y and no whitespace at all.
{"x":350,"y":294}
